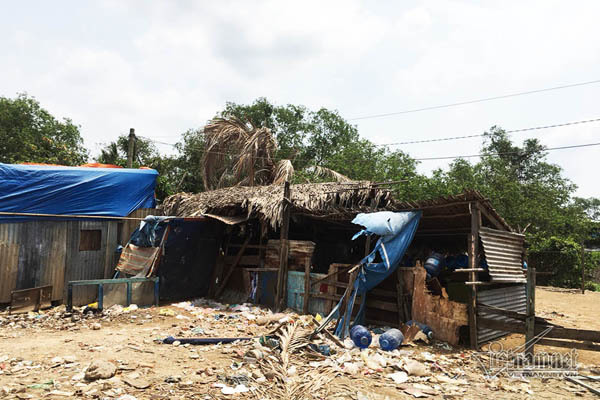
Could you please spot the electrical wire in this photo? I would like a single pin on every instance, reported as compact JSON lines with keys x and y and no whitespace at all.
{"x":461,"y":103}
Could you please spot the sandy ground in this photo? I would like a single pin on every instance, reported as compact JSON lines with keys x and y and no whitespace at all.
{"x":27,"y":350}
{"x":568,"y":308}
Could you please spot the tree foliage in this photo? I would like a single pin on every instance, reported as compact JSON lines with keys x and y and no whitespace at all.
{"x":29,"y":133}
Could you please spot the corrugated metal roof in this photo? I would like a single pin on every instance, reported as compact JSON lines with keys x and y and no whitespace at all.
{"x":512,"y":298}
{"x":504,"y":255}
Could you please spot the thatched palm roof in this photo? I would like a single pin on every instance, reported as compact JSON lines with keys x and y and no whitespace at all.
{"x":339,"y":200}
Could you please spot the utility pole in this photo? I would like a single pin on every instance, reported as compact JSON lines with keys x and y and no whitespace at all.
{"x":130,"y":147}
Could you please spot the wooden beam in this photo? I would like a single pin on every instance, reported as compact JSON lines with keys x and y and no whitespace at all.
{"x":238,"y":257}
{"x":557,"y":332}
{"x":493,"y":219}
{"x":569,"y":344}
{"x":445,"y":216}
{"x":508,"y":313}
{"x":280,"y":299}
{"x":473,"y":249}
{"x":307,"y":287}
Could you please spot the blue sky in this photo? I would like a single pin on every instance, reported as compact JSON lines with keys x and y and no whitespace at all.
{"x":166,"y":66}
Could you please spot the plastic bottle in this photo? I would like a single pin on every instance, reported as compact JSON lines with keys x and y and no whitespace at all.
{"x":391,"y":339}
{"x":434,"y":264}
{"x":424,"y":328}
{"x":360,"y":336}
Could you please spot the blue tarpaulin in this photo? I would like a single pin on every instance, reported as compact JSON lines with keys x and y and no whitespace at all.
{"x":45,"y":189}
{"x":396,"y":231}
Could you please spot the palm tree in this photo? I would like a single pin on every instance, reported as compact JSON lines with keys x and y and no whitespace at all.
{"x":239,"y":153}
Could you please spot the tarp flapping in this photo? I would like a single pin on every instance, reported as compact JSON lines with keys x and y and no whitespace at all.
{"x":396,"y":231}
{"x":44,"y":189}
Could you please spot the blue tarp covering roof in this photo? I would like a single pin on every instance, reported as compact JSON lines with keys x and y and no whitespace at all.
{"x":45,"y":189}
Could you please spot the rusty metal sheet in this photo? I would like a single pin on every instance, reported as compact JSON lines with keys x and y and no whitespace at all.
{"x":9,"y":264}
{"x":504,"y":255}
{"x":512,"y":298}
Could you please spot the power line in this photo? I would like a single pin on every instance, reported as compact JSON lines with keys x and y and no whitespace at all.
{"x":505,"y":153}
{"x":446,"y":157}
{"x":535,"y":128}
{"x":483,"y":134}
{"x":461,"y":103}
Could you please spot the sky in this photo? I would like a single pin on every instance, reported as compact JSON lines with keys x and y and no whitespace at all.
{"x":163,"y":67}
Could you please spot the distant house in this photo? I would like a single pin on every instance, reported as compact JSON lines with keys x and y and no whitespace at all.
{"x":48,"y":233}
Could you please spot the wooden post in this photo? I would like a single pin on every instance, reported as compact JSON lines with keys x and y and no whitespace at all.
{"x":280,"y":299}
{"x":307,"y":287}
{"x":473,"y":250}
{"x":130,"y":148}
{"x":582,"y":268}
{"x":345,"y":299}
{"x":530,"y":319}
{"x":400,"y":299}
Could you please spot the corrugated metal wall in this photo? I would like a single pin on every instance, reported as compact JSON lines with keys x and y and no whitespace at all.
{"x":503,"y":253}
{"x":512,"y":298}
{"x":36,"y":253}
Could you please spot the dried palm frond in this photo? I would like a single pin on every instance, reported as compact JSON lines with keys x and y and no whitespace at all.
{"x":329,"y":173}
{"x":222,"y":137}
{"x":283,"y":172}
{"x":298,"y":385}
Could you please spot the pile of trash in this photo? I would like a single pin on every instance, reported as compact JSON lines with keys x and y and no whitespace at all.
{"x":240,"y":351}
{"x":57,"y":318}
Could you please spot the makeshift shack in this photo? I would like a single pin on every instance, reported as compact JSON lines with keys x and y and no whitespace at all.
{"x":59,"y":224}
{"x":281,"y":242}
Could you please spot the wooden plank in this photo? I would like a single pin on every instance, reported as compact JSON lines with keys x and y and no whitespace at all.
{"x":253,"y":260}
{"x":337,"y":268}
{"x":557,"y":332}
{"x":569,"y":344}
{"x":284,"y":250}
{"x":492,"y":219}
{"x":306,"y":297}
{"x":232,"y":268}
{"x":483,"y":308}
{"x":33,"y":299}
{"x":261,"y":269}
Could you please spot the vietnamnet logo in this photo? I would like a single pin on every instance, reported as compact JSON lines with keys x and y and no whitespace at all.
{"x":497,"y":361}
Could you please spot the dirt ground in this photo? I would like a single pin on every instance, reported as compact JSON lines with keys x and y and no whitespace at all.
{"x":46,"y":355}
{"x":568,"y":308}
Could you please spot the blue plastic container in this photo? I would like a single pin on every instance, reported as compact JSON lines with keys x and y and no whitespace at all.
{"x":361,"y":336}
{"x":434,"y":264}
{"x":424,"y":328}
{"x":391,"y":339}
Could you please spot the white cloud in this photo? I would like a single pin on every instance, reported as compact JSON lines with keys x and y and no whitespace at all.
{"x":163,"y":67}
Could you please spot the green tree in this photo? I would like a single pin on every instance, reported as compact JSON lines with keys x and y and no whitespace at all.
{"x":29,"y":133}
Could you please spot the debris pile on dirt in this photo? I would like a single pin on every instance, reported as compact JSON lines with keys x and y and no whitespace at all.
{"x":121,"y":353}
